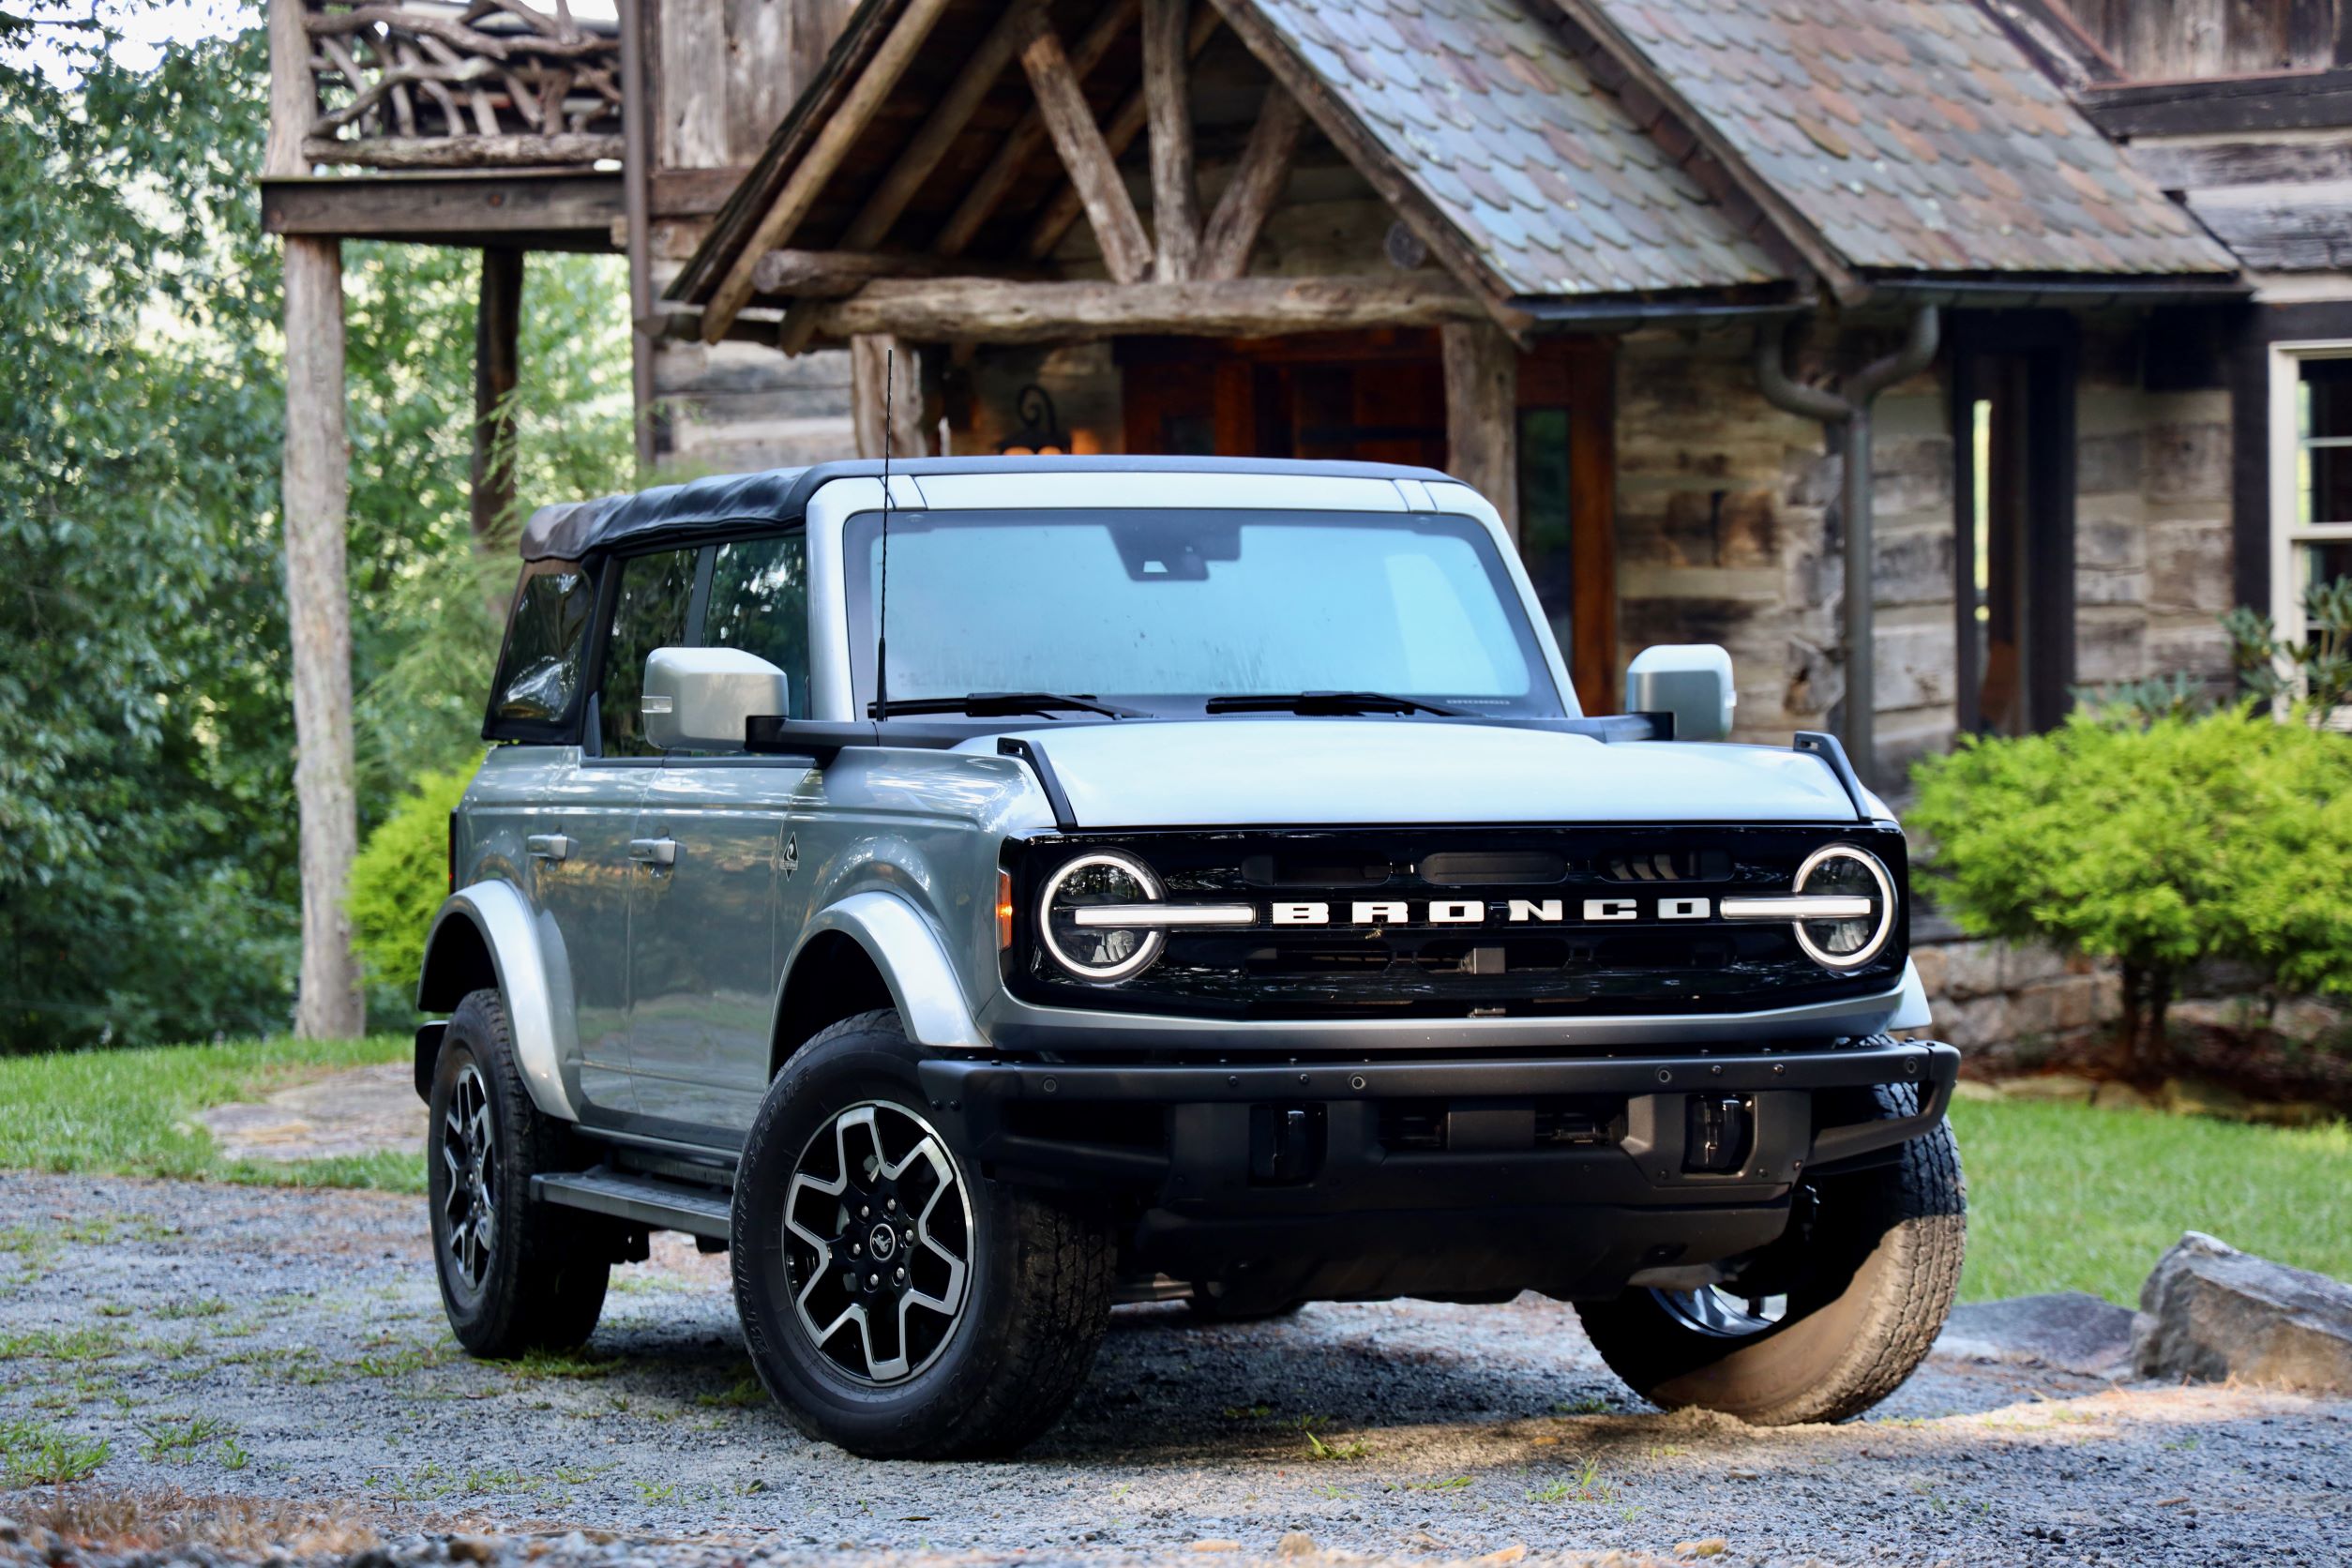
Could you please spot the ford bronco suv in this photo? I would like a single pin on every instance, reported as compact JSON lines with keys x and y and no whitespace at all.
{"x":1070,"y":882}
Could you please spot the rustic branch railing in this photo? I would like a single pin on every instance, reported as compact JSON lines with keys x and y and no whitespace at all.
{"x":413,"y":84}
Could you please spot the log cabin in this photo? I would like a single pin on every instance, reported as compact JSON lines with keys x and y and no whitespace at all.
{"x":2007,"y":341}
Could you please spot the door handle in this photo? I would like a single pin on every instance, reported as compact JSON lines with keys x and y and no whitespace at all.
{"x":654,"y":852}
{"x":549,"y":846}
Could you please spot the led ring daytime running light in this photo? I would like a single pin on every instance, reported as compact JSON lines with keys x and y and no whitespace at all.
{"x":1154,"y":938}
{"x":1878,"y":872}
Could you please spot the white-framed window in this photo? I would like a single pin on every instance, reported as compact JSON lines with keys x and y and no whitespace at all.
{"x":2311,"y":474}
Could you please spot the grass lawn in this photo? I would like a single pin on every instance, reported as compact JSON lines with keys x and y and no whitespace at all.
{"x":2065,"y":1196}
{"x":131,"y":1112}
{"x":2061,"y":1197}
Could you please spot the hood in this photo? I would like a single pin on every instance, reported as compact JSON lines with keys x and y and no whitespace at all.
{"x":1263,"y":773}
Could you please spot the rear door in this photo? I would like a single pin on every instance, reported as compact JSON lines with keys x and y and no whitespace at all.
{"x":706,"y":925}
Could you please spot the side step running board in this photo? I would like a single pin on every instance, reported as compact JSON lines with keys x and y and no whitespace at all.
{"x":645,"y":1200}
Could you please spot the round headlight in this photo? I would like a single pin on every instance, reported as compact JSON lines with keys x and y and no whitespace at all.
{"x":1841,"y":872}
{"x":1079,"y":916}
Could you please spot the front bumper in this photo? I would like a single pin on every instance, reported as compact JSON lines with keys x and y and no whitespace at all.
{"x":1494,"y":1206}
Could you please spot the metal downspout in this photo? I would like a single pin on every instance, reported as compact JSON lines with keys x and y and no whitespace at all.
{"x":1849,"y":407}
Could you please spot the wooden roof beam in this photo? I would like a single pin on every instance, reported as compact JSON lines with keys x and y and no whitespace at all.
{"x":823,"y":159}
{"x":1127,"y":123}
{"x":1257,"y":183}
{"x":1094,"y":169}
{"x":993,"y":310}
{"x":1021,"y":144}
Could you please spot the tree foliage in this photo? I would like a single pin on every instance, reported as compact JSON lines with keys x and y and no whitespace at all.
{"x":2158,"y":847}
{"x":149,"y":891}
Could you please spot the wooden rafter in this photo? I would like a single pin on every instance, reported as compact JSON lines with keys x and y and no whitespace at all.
{"x":824,"y":156}
{"x":1126,"y":124}
{"x":1337,"y":122}
{"x":1256,"y":183}
{"x":1175,"y":195}
{"x":1021,"y":144}
{"x":1087,"y":158}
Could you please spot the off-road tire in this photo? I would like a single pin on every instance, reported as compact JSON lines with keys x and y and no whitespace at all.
{"x":1879,"y":1271}
{"x":1036,"y":1303}
{"x":547,"y":1268}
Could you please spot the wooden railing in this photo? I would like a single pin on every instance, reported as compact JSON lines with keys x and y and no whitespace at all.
{"x":490,"y":84}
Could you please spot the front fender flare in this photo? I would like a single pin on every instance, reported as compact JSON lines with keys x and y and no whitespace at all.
{"x":534,"y":981}
{"x":907,"y":948}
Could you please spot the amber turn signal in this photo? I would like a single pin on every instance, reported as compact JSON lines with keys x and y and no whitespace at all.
{"x":1004,"y":909}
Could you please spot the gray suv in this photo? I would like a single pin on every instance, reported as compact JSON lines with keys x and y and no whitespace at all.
{"x":1042,"y":884}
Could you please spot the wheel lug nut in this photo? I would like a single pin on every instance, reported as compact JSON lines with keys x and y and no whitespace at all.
{"x":872,"y":1280}
{"x":857,"y":1250}
{"x":865,"y":1210}
{"x":900,"y":1276}
{"x":892,"y":1205}
{"x":909,"y":1236}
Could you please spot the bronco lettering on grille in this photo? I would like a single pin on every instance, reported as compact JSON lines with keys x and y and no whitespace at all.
{"x":1472,"y":911}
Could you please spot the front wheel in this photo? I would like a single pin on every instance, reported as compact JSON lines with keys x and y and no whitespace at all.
{"x":1829,"y":1321}
{"x":893,"y":1301}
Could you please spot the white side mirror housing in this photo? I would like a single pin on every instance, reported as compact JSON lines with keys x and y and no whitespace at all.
{"x":698,"y":699}
{"x":1691,"y":681}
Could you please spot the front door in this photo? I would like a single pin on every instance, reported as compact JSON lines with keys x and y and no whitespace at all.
{"x":709,"y":909}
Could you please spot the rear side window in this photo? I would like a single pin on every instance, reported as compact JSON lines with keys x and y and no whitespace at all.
{"x":537,"y":689}
{"x":759,"y":603}
{"x":649,"y":611}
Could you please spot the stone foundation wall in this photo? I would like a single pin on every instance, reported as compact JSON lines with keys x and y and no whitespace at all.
{"x":2004,"y":1006}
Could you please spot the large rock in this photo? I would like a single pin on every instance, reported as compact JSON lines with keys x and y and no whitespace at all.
{"x":2070,"y":1330}
{"x":2211,"y":1311}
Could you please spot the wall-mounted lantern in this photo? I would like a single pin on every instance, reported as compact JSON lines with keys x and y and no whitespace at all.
{"x":1041,"y":433}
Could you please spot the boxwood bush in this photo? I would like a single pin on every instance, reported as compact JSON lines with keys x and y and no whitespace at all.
{"x":2225,"y":835}
{"x":397,"y":883}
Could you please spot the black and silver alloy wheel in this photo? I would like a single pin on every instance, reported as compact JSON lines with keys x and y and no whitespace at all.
{"x":469,"y":1149}
{"x":895,"y":1300}
{"x":516,"y":1275}
{"x":878,"y":1241}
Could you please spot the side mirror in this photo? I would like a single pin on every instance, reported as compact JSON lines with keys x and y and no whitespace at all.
{"x":698,"y":699}
{"x":1691,"y":681}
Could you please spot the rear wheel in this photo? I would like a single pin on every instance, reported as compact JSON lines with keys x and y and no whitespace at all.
{"x":516,"y":1275}
{"x":893,"y":1301}
{"x":1827,"y":1322}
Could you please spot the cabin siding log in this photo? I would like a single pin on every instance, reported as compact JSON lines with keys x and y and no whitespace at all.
{"x":1126,"y":124}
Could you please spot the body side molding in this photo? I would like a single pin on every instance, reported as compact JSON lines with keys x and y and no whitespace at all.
{"x":496,"y":913}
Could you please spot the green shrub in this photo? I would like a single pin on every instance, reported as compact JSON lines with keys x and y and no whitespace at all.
{"x":400,"y":878}
{"x":2219,"y":837}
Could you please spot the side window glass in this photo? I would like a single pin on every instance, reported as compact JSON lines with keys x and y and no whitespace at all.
{"x":649,"y":613}
{"x":759,"y":603}
{"x":539,"y":672}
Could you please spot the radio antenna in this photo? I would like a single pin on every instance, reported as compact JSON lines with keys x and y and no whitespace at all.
{"x":882,"y":613}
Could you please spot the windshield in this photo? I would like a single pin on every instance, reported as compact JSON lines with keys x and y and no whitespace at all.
{"x":1163,"y":610}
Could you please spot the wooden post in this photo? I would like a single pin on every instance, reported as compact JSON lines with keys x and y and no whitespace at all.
{"x":497,"y":324}
{"x":1175,"y":197}
{"x":1482,"y":421}
{"x":908,"y":437}
{"x":1088,"y":159}
{"x":314,"y":501}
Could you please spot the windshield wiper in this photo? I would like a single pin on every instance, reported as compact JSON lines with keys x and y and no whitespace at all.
{"x":999,"y":704}
{"x":1339,"y":704}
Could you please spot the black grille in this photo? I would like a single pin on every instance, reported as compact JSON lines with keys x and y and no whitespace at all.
{"x":1494,"y":965}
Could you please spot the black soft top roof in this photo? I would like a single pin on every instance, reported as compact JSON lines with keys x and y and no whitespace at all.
{"x":726,"y":504}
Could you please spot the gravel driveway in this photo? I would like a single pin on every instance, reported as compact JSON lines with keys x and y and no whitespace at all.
{"x":289,"y":1345}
